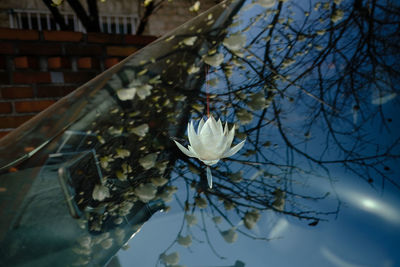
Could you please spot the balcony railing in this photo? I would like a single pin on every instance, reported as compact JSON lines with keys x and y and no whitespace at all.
{"x":43,"y":20}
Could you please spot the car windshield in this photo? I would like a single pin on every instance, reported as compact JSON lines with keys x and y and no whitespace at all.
{"x":260,"y":133}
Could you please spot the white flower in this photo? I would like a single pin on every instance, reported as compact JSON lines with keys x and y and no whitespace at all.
{"x":100,"y":192}
{"x":122,"y":153}
{"x":257,"y":101}
{"x":195,"y":7}
{"x":141,"y":130}
{"x":201,"y":203}
{"x":137,"y":86}
{"x":251,"y":218}
{"x":170,"y":259}
{"x":214,"y":60}
{"x":146,"y":192}
{"x":235,"y":41}
{"x":230,"y":235}
{"x":185,"y":241}
{"x":266,"y":3}
{"x":148,"y":161}
{"x":57,"y":2}
{"x":190,"y":41}
{"x":193,"y":69}
{"x":158,"y":181}
{"x":211,"y":143}
{"x":191,"y":219}
{"x":168,"y":193}
{"x":337,"y":15}
{"x":244,"y":116}
{"x":126,"y":94}
{"x":106,"y":244}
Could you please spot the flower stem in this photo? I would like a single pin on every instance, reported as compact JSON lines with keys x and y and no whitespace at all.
{"x":208,"y":96}
{"x":209,"y":177}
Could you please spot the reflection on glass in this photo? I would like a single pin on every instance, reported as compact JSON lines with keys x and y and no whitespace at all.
{"x":312,"y":87}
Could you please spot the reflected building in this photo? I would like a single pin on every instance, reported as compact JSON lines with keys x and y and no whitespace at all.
{"x":301,"y":84}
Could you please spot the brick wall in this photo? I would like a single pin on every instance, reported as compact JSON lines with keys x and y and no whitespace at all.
{"x":38,"y":68}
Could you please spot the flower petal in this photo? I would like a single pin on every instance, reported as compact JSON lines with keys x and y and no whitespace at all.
{"x":201,"y":124}
{"x":234,"y":149}
{"x":195,"y":140}
{"x":229,"y":140}
{"x":220,"y":128}
{"x":210,"y":162}
{"x":185,"y":150}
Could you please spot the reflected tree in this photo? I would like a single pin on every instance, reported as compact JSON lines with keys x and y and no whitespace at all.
{"x":312,"y":87}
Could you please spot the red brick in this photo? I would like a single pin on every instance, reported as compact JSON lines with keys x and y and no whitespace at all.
{"x":40,"y":49}
{"x":54,"y":91}
{"x":31,"y":77}
{"x":93,"y":37}
{"x":33,"y":106}
{"x":58,"y":62}
{"x":78,"y":77}
{"x":13,"y":122}
{"x":3,"y":133}
{"x":26,"y":62}
{"x":21,"y":62}
{"x":62,"y":36}
{"x":109,"y":62}
{"x":14,"y":34}
{"x":122,"y":51}
{"x":83,"y":50}
{"x":16,"y":92}
{"x":85,"y":63}
{"x":139,"y":40}
{"x":5,"y":107}
{"x":6,"y":48}
{"x":4,"y":78}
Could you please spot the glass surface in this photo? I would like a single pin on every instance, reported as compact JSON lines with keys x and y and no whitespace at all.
{"x":312,"y":87}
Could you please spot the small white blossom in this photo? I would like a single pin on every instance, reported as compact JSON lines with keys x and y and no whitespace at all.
{"x":100,"y":192}
{"x":190,"y":41}
{"x":107,"y":243}
{"x":230,"y":235}
{"x":235,"y":41}
{"x":170,"y":259}
{"x":159,"y":181}
{"x":185,"y":241}
{"x":214,"y":60}
{"x":337,"y":15}
{"x":257,"y":101}
{"x":191,"y":219}
{"x":57,"y":2}
{"x":167,"y":193}
{"x":193,"y":69}
{"x":251,"y":218}
{"x":201,"y":203}
{"x":145,"y":192}
{"x":148,"y":161}
{"x":244,"y":116}
{"x":141,"y":130}
{"x":122,"y":153}
{"x":195,"y":7}
{"x":266,"y":3}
